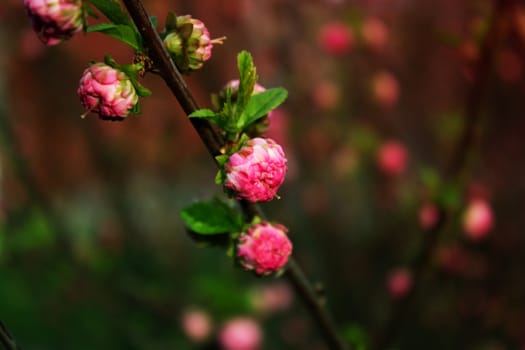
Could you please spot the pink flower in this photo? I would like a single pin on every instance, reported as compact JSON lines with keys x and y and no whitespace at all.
{"x":399,"y":282}
{"x":107,"y":91}
{"x":234,"y":85}
{"x":55,"y":20}
{"x":256,"y":171}
{"x":265,"y":248}
{"x":241,"y":333}
{"x":392,"y":158}
{"x":428,"y":216}
{"x":336,"y":38}
{"x":190,"y":52}
{"x":196,"y":324}
{"x":477,"y":219}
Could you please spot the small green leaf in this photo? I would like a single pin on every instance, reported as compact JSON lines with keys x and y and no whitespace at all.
{"x":122,"y":32}
{"x":171,"y":22}
{"x":112,"y":10}
{"x":154,"y":21}
{"x":203,"y":113}
{"x":260,"y":104}
{"x":211,"y":218}
{"x":222,"y":159}
{"x":141,"y":90}
{"x":247,"y":80}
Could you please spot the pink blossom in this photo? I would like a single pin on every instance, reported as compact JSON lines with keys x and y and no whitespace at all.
{"x":256,"y":171}
{"x":336,"y":38}
{"x":241,"y":333}
{"x":234,"y":85}
{"x":478,"y":219}
{"x":272,"y":298}
{"x":55,"y":20}
{"x":196,"y":324}
{"x":392,"y":158}
{"x":265,"y":248}
{"x":399,"y":282}
{"x":107,"y":91}
{"x":428,"y":215}
{"x":196,"y":48}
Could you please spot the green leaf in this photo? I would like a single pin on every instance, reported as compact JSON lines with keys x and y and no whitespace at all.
{"x":248,"y":77}
{"x":260,"y":104}
{"x":124,"y":33}
{"x":211,"y":218}
{"x":113,"y":11}
{"x":203,"y":113}
{"x":154,"y":21}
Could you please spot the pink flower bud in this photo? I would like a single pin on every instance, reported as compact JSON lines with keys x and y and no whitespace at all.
{"x":241,"y":333}
{"x":196,"y":324}
{"x":234,"y":86}
{"x":107,"y":91}
{"x":477,"y":219}
{"x":272,"y":298}
{"x":336,"y":38}
{"x":256,"y":171}
{"x":392,"y":158}
{"x":191,"y":52}
{"x":265,"y":248}
{"x":55,"y":20}
{"x":399,"y":282}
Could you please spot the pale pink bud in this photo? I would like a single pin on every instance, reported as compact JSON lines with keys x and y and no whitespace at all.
{"x":392,"y":158}
{"x":55,"y":20}
{"x":375,"y":33}
{"x":428,"y":215}
{"x":385,"y":89}
{"x":336,"y":38}
{"x":194,"y":50}
{"x":107,"y":91}
{"x":196,"y":325}
{"x":265,"y":248}
{"x":399,"y":282}
{"x":241,"y":333}
{"x":272,"y":298}
{"x":477,"y":219}
{"x":256,"y":171}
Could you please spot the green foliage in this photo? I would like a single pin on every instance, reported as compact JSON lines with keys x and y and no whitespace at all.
{"x":236,"y":115}
{"x":122,"y":32}
{"x":211,"y":218}
{"x":34,"y":233}
{"x":121,"y":27}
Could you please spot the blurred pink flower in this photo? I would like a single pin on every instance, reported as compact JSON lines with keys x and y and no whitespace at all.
{"x":385,"y":89}
{"x":399,"y":282}
{"x":375,"y":33}
{"x":477,"y":219}
{"x":196,"y":324}
{"x":241,"y":333}
{"x":257,"y":170}
{"x":326,"y":94}
{"x":265,"y":248}
{"x":428,"y":215}
{"x":336,"y":38}
{"x":55,"y":20}
{"x":272,"y":298}
{"x":392,"y":158}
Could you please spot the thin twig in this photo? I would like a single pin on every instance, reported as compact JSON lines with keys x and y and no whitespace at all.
{"x":453,"y":172}
{"x":214,"y":142}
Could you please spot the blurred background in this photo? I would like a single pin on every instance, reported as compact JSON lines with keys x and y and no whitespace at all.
{"x":397,"y":110}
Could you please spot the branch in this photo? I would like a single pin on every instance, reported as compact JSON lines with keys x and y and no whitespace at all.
{"x":214,"y":142}
{"x":453,"y":172}
{"x":6,"y":340}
